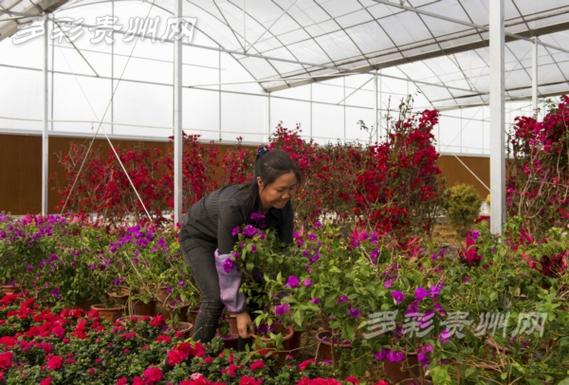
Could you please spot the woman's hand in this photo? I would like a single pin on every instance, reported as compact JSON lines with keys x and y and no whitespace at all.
{"x":244,"y":324}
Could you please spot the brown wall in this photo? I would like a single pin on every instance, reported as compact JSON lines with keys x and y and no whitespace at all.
{"x":20,"y":169}
{"x":455,"y":172}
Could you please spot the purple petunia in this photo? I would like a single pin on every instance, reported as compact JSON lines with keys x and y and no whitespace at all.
{"x":343,"y":298}
{"x":435,"y":291}
{"x":56,"y":293}
{"x":354,"y":312}
{"x":445,"y":336}
{"x":315,"y":300}
{"x":380,"y":355}
{"x":307,"y":282}
{"x":249,"y":231}
{"x":374,"y":238}
{"x":422,"y":354}
{"x":292,"y":282}
{"x":421,"y":293}
{"x":374,"y":255}
{"x":395,"y":356}
{"x":228,"y":265}
{"x":389,"y":355}
{"x":282,"y":309}
{"x":440,"y":310}
{"x":413,"y":308}
{"x":397,"y":296}
{"x":314,"y":258}
{"x":235,"y":231}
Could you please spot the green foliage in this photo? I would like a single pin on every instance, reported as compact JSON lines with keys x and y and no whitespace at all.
{"x":463,"y":207}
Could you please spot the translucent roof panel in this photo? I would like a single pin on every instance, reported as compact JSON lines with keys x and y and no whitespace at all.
{"x":288,"y":43}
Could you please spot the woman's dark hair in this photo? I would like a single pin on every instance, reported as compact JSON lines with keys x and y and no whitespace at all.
{"x":270,"y":165}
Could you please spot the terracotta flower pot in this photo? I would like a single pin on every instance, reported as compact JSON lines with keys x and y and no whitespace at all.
{"x":293,"y":344}
{"x":265,"y":346}
{"x":405,"y":372}
{"x":231,"y":321}
{"x":119,"y":293}
{"x":184,"y":329}
{"x":125,"y":320}
{"x":330,"y":348}
{"x":9,"y":289}
{"x":230,"y":341}
{"x":136,"y":307}
{"x":111,"y":314}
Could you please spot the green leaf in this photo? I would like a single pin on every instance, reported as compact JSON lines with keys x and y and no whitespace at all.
{"x":297,"y":318}
{"x":469,"y":371}
{"x":565,"y":381}
{"x":440,"y":375}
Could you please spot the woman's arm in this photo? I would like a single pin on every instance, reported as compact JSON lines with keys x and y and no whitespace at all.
{"x":229,"y":282}
{"x":228,"y":273}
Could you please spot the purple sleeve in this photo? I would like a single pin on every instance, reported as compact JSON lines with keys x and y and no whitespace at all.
{"x":229,"y":282}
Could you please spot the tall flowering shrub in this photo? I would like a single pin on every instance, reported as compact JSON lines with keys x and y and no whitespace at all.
{"x":399,"y":189}
{"x":103,"y":188}
{"x":392,"y":186}
{"x":238,"y":164}
{"x":328,"y":172}
{"x":537,"y":186}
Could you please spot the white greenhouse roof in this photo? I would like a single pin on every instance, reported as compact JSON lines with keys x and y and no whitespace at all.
{"x":441,"y":46}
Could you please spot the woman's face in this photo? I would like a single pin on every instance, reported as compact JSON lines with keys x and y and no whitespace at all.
{"x":278,"y":193}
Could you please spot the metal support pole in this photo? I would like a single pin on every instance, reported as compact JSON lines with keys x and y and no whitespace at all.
{"x":376,"y":112}
{"x":534,"y":79}
{"x":113,"y":71}
{"x":178,"y":139}
{"x":269,"y":115}
{"x":311,"y":120}
{"x":45,"y":136}
{"x":344,"y":86}
{"x":219,"y":94}
{"x":380,"y":104}
{"x":52,"y":81}
{"x":497,"y":156}
{"x":460,"y":131}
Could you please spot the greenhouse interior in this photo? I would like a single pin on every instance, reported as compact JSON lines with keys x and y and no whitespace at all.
{"x":275,"y":192}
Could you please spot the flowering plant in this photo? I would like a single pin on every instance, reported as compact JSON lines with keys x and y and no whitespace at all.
{"x":264,"y":262}
{"x":399,"y":189}
{"x":537,"y":188}
{"x":151,"y":265}
{"x":53,"y":256}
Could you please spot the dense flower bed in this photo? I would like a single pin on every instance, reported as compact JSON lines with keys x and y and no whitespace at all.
{"x":335,"y":277}
{"x":71,"y":346}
